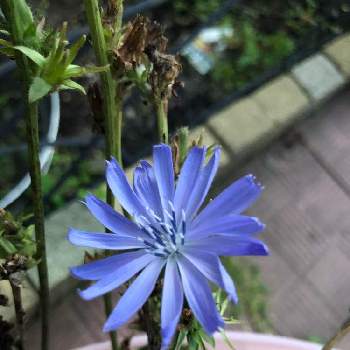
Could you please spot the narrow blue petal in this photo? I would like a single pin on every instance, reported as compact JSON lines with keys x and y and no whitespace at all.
{"x":103,"y":240}
{"x":199,"y":296}
{"x":135,"y":296}
{"x":172,"y":302}
{"x":227,"y":225}
{"x":164,"y":173}
{"x":111,"y":219}
{"x":98,"y":269}
{"x":188,"y":178}
{"x":210,"y":266}
{"x":233,"y":200}
{"x":229,"y":286}
{"x":118,"y":277}
{"x":203,"y":184}
{"x":233,"y":245}
{"x":146,"y":188}
{"x":121,"y":189}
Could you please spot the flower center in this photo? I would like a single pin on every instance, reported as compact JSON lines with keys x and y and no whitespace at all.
{"x":164,"y":236}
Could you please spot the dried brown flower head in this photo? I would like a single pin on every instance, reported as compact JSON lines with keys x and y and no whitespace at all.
{"x":139,"y":36}
{"x":143,"y":42}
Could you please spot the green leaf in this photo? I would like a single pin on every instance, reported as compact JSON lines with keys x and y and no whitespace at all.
{"x":7,"y":246}
{"x":5,"y":43}
{"x":23,"y":12}
{"x":207,"y":338}
{"x":193,"y":344}
{"x":72,"y":85}
{"x":74,"y":49}
{"x":5,"y":32}
{"x":181,"y":337}
{"x":38,"y":89}
{"x":23,"y":16}
{"x":7,"y":52}
{"x":75,"y":71}
{"x":35,"y":56}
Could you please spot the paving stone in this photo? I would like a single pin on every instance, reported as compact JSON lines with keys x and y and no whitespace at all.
{"x":241,"y":125}
{"x":274,"y":269}
{"x":344,"y":344}
{"x":302,"y":312}
{"x":210,"y":139}
{"x":29,"y":298}
{"x":330,"y":275}
{"x":282,"y":100}
{"x":338,"y":50}
{"x":318,"y":76}
{"x":296,"y":238}
{"x":61,"y":254}
{"x":328,"y":135}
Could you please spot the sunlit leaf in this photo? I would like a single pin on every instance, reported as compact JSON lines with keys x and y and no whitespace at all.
{"x":35,"y":56}
{"x":180,"y":339}
{"x":74,"y":49}
{"x":38,"y":89}
{"x":72,"y":85}
{"x":7,"y":246}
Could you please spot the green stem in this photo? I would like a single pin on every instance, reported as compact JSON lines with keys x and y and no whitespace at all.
{"x":151,"y":325}
{"x":341,"y":333}
{"x":161,"y":106}
{"x":112,"y":106}
{"x":19,"y":312}
{"x":32,"y":128}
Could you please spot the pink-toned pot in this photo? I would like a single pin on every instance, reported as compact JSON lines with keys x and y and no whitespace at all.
{"x":241,"y":341}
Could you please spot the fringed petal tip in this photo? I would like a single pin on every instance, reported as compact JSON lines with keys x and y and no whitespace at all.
{"x":253,"y":180}
{"x":263,"y":250}
{"x":261,"y":225}
{"x":111,"y":162}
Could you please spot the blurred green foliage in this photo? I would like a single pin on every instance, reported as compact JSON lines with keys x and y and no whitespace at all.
{"x":264,"y":33}
{"x":234,"y":71}
{"x":252,"y":295}
{"x":76,"y":185}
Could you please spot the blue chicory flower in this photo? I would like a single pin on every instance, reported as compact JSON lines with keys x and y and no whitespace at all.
{"x":166,"y":232}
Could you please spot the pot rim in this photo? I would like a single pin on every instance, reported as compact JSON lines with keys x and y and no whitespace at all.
{"x":237,"y":337}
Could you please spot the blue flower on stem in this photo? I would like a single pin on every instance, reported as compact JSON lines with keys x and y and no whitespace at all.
{"x":168,"y":232}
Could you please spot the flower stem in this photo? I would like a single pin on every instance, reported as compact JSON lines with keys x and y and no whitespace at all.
{"x":161,"y":106}
{"x":341,"y":333}
{"x":19,"y":312}
{"x":32,"y":128}
{"x":111,"y":102}
{"x":112,"y":105}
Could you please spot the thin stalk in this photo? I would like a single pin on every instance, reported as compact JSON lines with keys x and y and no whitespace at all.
{"x":151,"y":325}
{"x":161,"y":106}
{"x":32,"y":129}
{"x":341,"y":333}
{"x":111,"y":102}
{"x":37,"y":197}
{"x":112,"y":106}
{"x":19,"y":312}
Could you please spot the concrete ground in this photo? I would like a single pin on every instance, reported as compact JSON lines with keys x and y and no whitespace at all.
{"x":306,"y":206}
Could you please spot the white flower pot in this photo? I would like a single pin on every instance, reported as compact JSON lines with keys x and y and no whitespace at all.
{"x":241,"y":341}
